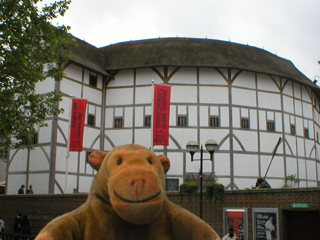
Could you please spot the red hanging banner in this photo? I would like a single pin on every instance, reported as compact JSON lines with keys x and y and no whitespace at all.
{"x":78,"y":114}
{"x":161,"y":114}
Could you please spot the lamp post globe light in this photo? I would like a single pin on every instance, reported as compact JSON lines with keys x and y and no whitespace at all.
{"x":192,"y":147}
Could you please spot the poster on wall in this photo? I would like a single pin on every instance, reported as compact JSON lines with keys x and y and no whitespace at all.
{"x":236,"y":218}
{"x":265,"y":223}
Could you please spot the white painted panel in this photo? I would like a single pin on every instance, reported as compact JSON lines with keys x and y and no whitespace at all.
{"x":74,"y":72}
{"x":44,"y":135}
{"x":118,"y":112}
{"x":72,"y":88}
{"x":248,"y":139}
{"x":19,"y":162}
{"x":89,"y":136}
{"x":39,"y":159}
{"x":65,"y":104}
{"x":100,"y":82}
{"x":305,"y":94}
{"x":72,"y":183}
{"x":183,"y":94}
{"x":143,"y":95}
{"x":269,"y":100}
{"x":299,"y":126}
{"x":276,"y":168}
{"x":85,"y":184}
{"x":143,"y":137}
{"x":222,"y":164}
{"x":210,"y":76}
{"x":216,"y":134}
{"x":123,"y":78}
{"x":296,"y":90}
{"x":253,"y":119}
{"x":246,"y":165}
{"x":183,"y":136}
{"x":292,"y":166}
{"x":185,"y":75}
{"x":120,"y":96}
{"x":173,"y":115}
{"x":288,"y":88}
{"x":291,"y":147}
{"x":176,"y":160}
{"x":193,"y":116}
{"x":268,"y":142}
{"x":236,"y":117}
{"x":243,"y":97}
{"x":300,"y":147}
{"x":204,"y":118}
{"x":262,"y":120}
{"x":182,"y":110}
{"x":45,"y":86}
{"x":120,"y":137}
{"x":214,"y":95}
{"x":109,"y":118}
{"x":245,"y":79}
{"x":62,"y":133}
{"x":98,"y":117}
{"x":86,"y":76}
{"x":302,"y":168}
{"x":311,"y":170}
{"x":265,"y":82}
{"x":92,"y":95}
{"x":128,"y":117}
{"x":307,"y":110}
{"x":146,"y":75}
{"x":224,"y":117}
{"x":39,"y":182}
{"x":139,"y":117}
{"x":278,"y":122}
{"x":288,"y":104}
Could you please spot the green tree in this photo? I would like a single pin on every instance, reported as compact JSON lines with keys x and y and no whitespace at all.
{"x":31,"y":50}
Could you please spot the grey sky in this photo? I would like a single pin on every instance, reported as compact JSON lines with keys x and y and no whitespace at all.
{"x":288,"y":28}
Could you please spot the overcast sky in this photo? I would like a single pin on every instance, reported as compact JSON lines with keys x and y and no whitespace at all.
{"x":287,"y":28}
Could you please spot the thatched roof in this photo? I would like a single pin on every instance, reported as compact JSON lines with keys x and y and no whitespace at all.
{"x":187,"y":52}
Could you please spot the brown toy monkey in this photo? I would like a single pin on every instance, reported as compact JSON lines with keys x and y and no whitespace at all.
{"x":127,"y":201}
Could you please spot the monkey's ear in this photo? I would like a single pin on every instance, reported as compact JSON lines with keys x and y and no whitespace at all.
{"x":165,"y":162}
{"x":95,"y":159}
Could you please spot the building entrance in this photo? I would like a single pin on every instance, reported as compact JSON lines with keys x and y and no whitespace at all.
{"x":302,"y":224}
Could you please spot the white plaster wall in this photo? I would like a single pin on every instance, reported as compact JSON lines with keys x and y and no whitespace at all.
{"x":120,"y":136}
{"x":44,"y":135}
{"x":246,"y":80}
{"x":288,"y":89}
{"x":39,"y":159}
{"x":204,"y":118}
{"x":45,"y":86}
{"x":193,"y":116}
{"x":121,"y":96}
{"x":123,"y":78}
{"x":213,"y":95}
{"x":253,"y":119}
{"x":249,"y":140}
{"x":74,"y":72}
{"x":85,"y":183}
{"x":276,"y":168}
{"x":210,"y":76}
{"x":62,"y":137}
{"x":222,"y":165}
{"x":143,"y":95}
{"x":14,"y":183}
{"x":246,"y":165}
{"x":224,"y":116}
{"x":92,"y":95}
{"x":71,"y":88}
{"x":243,"y":97}
{"x":139,"y":120}
{"x":305,"y":93}
{"x":185,"y":75}
{"x":288,"y":104}
{"x":39,"y":182}
{"x":183,"y":94}
{"x":72,"y":183}
{"x":146,"y":75}
{"x":143,"y":137}
{"x":128,"y":120}
{"x":269,"y":100}
{"x":176,"y":163}
{"x":19,"y":162}
{"x":266,"y":83}
{"x":268,"y":141}
{"x":311,"y":169}
{"x":297,"y":90}
{"x":307,"y":110}
{"x":236,"y":117}
{"x":89,"y":136}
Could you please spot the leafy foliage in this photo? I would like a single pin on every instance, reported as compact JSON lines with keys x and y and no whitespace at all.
{"x":292,"y":180}
{"x":214,"y":190}
{"x":187,"y":188}
{"x":31,"y":50}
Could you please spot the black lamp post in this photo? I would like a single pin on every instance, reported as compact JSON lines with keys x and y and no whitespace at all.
{"x":192,"y":147}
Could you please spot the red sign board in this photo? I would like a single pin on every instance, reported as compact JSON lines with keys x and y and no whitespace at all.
{"x":161,"y":114}
{"x":78,"y":114}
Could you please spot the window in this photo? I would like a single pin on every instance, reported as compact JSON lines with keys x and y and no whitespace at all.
{"x":3,"y":154}
{"x":93,"y":80}
{"x":147,"y":121}
{"x":293,"y":129}
{"x":172,"y":185}
{"x":91,"y":120}
{"x":35,"y":138}
{"x":214,"y":121}
{"x":87,"y":156}
{"x":306,"y":133}
{"x":270,"y":126}
{"x":182,"y":121}
{"x":245,"y":123}
{"x":118,"y":122}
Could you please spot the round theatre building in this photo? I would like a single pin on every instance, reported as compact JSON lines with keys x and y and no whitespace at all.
{"x":252,"y":102}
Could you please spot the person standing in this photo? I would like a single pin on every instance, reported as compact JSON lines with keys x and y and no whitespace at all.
{"x":26,"y":229}
{"x":231,"y":235}
{"x":1,"y":225}
{"x":21,"y":189}
{"x":270,"y":229}
{"x":30,"y":190}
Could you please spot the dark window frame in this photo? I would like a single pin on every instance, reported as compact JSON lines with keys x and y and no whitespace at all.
{"x":93,"y":80}
{"x":214,"y":121}
{"x":245,"y":123}
{"x":118,"y":122}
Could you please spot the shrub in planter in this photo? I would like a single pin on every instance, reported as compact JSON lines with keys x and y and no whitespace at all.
{"x":214,"y":190}
{"x":188,"y":188}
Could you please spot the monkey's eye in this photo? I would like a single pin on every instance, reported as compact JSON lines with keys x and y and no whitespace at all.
{"x":119,"y":161}
{"x":149,"y":160}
